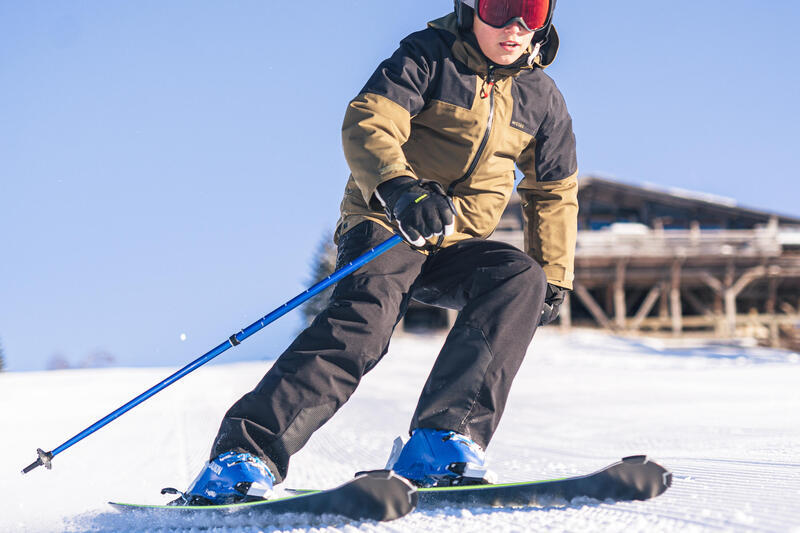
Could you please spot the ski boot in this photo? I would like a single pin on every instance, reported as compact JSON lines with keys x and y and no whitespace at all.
{"x":435,"y":458}
{"x":229,"y":478}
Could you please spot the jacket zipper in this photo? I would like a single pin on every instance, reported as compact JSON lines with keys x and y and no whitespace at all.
{"x":482,"y":146}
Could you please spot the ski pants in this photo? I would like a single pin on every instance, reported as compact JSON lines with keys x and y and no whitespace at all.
{"x":497,"y":289}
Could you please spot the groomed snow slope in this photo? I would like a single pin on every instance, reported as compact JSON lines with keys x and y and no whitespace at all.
{"x":724,"y":420}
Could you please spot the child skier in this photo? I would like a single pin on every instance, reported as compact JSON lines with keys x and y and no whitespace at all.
{"x":432,"y":141}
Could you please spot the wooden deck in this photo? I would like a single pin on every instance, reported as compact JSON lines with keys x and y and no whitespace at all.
{"x":729,"y":283}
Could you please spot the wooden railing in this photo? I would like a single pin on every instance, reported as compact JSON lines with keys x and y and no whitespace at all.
{"x":679,"y":243}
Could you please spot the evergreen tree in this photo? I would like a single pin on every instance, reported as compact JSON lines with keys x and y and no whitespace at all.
{"x":323,"y":265}
{"x":2,"y":357}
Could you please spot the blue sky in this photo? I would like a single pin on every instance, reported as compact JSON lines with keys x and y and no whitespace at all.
{"x":168,"y":168}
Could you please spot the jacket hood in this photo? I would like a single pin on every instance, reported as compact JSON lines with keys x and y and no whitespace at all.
{"x":466,"y":48}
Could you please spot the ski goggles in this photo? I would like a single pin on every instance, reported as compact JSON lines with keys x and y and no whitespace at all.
{"x":531,"y":14}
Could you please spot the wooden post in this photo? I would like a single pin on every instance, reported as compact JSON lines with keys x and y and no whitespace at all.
{"x":696,"y":304}
{"x":663,"y":304}
{"x":729,"y":299}
{"x":732,"y":290}
{"x":730,"y":311}
{"x":694,"y":232}
{"x":595,"y":310}
{"x":715,"y":284}
{"x":646,"y":306}
{"x":620,"y":310}
{"x":675,"y":299}
{"x":748,"y":277}
{"x":769,"y":309}
{"x":719,"y":289}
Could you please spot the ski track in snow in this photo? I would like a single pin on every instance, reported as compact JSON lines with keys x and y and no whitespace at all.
{"x":722,"y":418}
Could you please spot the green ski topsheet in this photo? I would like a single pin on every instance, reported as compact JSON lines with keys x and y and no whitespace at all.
{"x":379,"y":495}
{"x":632,"y":478}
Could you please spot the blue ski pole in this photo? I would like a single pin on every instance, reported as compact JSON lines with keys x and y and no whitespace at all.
{"x":45,"y":458}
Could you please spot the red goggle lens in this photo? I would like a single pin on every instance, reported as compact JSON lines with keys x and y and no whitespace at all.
{"x":498,"y":13}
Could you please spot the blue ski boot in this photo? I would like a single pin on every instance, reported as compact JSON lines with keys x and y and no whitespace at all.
{"x":229,"y":478}
{"x":440,"y":458}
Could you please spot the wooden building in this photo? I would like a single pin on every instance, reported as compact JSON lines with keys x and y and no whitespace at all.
{"x":671,"y":262}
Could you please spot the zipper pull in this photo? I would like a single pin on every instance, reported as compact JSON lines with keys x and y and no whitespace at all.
{"x":488,"y":82}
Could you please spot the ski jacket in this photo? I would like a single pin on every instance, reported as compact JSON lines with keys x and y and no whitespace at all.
{"x":438,"y":110}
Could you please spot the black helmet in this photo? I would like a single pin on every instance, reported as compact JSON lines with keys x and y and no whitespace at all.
{"x":465,"y":11}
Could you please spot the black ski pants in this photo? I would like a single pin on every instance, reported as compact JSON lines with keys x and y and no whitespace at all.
{"x":497,"y":289}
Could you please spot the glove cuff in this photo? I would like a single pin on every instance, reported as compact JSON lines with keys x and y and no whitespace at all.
{"x":387,"y":192}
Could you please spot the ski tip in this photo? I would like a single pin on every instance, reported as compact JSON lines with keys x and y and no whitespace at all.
{"x":635,"y":459}
{"x":383,"y":474}
{"x":655,"y":476}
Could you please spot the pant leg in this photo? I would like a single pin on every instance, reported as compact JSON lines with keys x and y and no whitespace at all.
{"x":499,"y":291}
{"x":322,"y":367}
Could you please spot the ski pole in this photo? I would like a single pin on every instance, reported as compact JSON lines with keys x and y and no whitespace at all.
{"x":45,"y":458}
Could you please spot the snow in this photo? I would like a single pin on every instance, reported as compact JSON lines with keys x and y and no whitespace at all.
{"x":724,"y":419}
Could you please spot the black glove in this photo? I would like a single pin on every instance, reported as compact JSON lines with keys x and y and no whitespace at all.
{"x":553,"y":299}
{"x":421,"y":209}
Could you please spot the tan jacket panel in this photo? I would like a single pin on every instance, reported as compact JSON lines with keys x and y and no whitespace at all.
{"x":374,"y":130}
{"x":550,"y":209}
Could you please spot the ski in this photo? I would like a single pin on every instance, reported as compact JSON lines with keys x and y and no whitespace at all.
{"x":378,"y":495}
{"x":632,"y":478}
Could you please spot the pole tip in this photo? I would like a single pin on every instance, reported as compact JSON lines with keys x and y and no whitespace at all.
{"x":45,"y":459}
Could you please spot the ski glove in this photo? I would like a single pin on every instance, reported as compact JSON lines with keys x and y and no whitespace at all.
{"x":553,"y":299}
{"x":421,"y":209}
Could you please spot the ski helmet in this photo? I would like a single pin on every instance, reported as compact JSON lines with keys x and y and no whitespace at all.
{"x":535,"y":15}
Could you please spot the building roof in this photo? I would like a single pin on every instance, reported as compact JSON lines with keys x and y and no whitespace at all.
{"x":622,"y":194}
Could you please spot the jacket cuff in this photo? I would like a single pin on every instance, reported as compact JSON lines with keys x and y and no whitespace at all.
{"x":395,"y":171}
{"x":559,"y":276}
